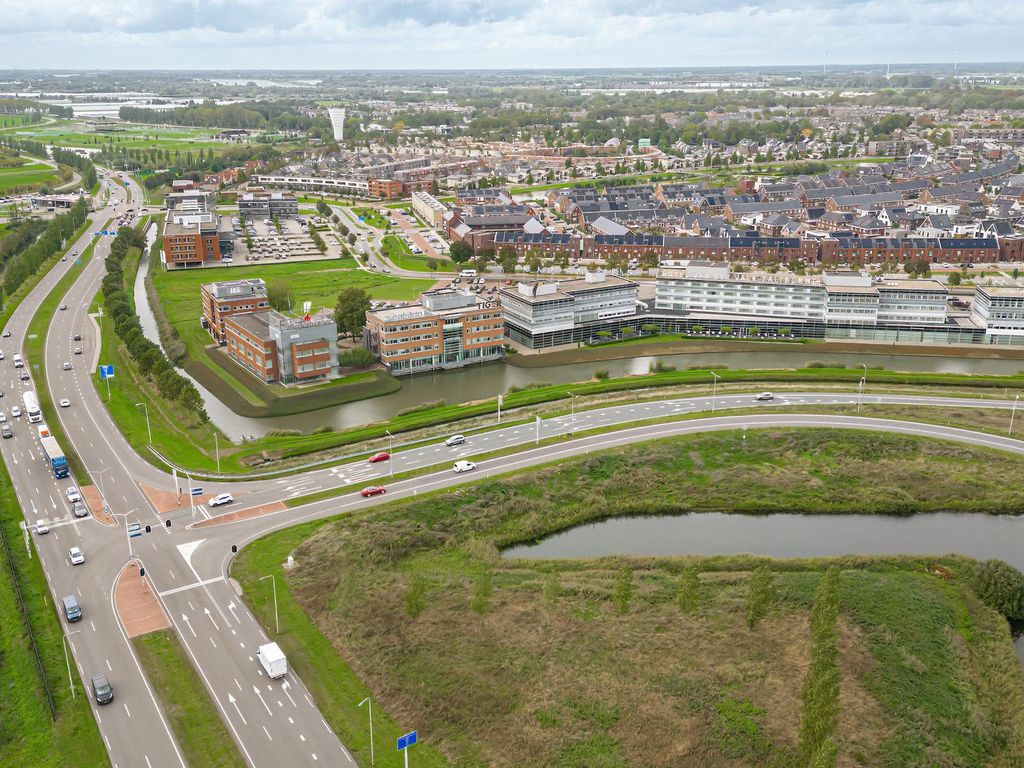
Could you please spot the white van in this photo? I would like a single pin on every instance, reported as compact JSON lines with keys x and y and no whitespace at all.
{"x":467,"y":273}
{"x":18,"y":362}
{"x":273,"y":660}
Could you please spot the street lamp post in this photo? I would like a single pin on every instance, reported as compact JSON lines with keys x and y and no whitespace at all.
{"x":127,"y":536}
{"x":67,"y":660}
{"x":99,"y":476}
{"x":148,"y":428}
{"x":572,"y":413}
{"x":1013,"y":413}
{"x":369,"y":710}
{"x":865,"y":379}
{"x":714,"y":389}
{"x":216,"y":445}
{"x":273,"y":584}
{"x":860,"y":399}
{"x":191,"y":498}
{"x":391,"y":458}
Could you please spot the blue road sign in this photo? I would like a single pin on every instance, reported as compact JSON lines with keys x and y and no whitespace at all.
{"x":106,"y":372}
{"x":362,"y":218}
{"x":197,"y":491}
{"x":112,"y":232}
{"x":406,"y":741}
{"x":103,"y":231}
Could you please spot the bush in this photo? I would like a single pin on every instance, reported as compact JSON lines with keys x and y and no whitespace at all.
{"x":422,"y":407}
{"x":284,"y":433}
{"x":357,"y":357}
{"x":1001,"y":587}
{"x":601,"y":374}
{"x":658,"y":366}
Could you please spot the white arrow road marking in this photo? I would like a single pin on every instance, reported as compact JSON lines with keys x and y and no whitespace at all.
{"x":189,"y":625}
{"x":210,"y":615}
{"x":284,"y":687}
{"x":231,"y":608}
{"x":233,"y":700}
{"x":260,"y":695}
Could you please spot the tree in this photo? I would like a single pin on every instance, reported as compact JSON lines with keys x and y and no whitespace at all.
{"x":508,"y":259}
{"x":351,"y":238}
{"x":279,"y":294}
{"x":350,"y":311}
{"x":1001,"y":587}
{"x":432,"y":265}
{"x":461,"y":252}
{"x":953,"y":278}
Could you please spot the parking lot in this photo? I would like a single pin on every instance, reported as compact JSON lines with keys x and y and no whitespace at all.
{"x":291,"y":243}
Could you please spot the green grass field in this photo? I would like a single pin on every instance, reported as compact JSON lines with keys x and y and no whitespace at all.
{"x":398,"y":253}
{"x":197,"y":726}
{"x":135,"y":136}
{"x":536,"y":663}
{"x":372,"y":217}
{"x":30,"y":175}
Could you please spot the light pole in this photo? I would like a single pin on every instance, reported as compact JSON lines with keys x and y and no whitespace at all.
{"x":67,"y":660}
{"x":191,"y":498}
{"x":1013,"y":413}
{"x":148,"y":428}
{"x":714,"y":389}
{"x":391,"y":458}
{"x":369,"y":709}
{"x":99,"y":476}
{"x":127,"y":535}
{"x":572,"y":414}
{"x":216,"y":445}
{"x":273,"y":583}
{"x":865,"y":367}
{"x":860,"y":400}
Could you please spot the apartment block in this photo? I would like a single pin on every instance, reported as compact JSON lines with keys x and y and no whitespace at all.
{"x":428,"y":208}
{"x":232,"y":297}
{"x":277,"y":348}
{"x":447,"y":328}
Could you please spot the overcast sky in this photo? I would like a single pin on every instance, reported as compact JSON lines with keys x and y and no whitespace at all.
{"x":475,"y":34}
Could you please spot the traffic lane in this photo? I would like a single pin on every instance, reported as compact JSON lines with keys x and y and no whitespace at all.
{"x":274,"y":722}
{"x":244,"y":531}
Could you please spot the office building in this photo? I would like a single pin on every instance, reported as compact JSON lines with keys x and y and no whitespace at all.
{"x":232,"y":297}
{"x":1000,"y":311}
{"x":447,"y":328}
{"x":189,"y":201}
{"x":267,"y":205}
{"x":545,"y":313}
{"x":273,"y":347}
{"x":195,"y":240}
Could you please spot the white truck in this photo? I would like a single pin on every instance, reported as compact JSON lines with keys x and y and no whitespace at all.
{"x":273,"y":660}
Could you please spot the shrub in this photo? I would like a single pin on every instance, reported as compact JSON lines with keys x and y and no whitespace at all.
{"x":284,"y":433}
{"x":1001,"y":587}
{"x":658,"y":366}
{"x":357,"y":357}
{"x":422,"y":407}
{"x":601,"y":374}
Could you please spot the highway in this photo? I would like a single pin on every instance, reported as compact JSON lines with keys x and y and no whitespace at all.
{"x":276,"y":723}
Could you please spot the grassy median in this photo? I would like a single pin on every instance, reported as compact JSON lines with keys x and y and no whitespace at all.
{"x":197,"y":725}
{"x":605,"y":662}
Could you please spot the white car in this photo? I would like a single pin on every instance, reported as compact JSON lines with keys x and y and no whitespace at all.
{"x":75,"y":556}
{"x":463,"y":466}
{"x":765,"y":396}
{"x":65,"y":403}
{"x":3,"y":417}
{"x":455,"y":440}
{"x":67,"y":366}
{"x":15,"y":411}
{"x":73,"y":495}
{"x":221,"y":498}
{"x":42,"y":527}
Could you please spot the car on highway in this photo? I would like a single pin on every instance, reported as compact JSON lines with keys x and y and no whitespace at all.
{"x":373,"y":490}
{"x":455,"y":440}
{"x":65,"y":403}
{"x":75,"y":556}
{"x":221,"y":498}
{"x":63,"y":307}
{"x":102,"y":690}
{"x":6,"y":334}
{"x":3,"y":417}
{"x":67,"y":366}
{"x":765,"y":396}
{"x":78,"y":350}
{"x":1,"y":355}
{"x":15,"y":411}
{"x":6,"y":431}
{"x":73,"y":494}
{"x":382,"y":456}
{"x":77,"y":337}
{"x":79,"y":509}
{"x":24,"y":376}
{"x":464,"y":466}
{"x":42,"y":527}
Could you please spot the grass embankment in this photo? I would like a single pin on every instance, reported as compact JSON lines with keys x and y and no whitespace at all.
{"x":29,"y":736}
{"x":319,"y":282}
{"x":398,"y":253}
{"x":35,"y":359}
{"x":371,"y":217}
{"x":27,"y":176}
{"x":196,"y":723}
{"x":603,"y":662}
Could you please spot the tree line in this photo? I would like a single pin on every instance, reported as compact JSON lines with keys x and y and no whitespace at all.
{"x":148,"y":357}
{"x":23,"y":264}
{"x":209,"y":114}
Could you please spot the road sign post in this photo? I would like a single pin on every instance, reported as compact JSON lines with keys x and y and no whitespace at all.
{"x":107,"y":373}
{"x":404,"y":742}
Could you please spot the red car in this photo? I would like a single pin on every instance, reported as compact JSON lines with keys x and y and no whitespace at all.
{"x":373,"y":490}
{"x":382,"y":456}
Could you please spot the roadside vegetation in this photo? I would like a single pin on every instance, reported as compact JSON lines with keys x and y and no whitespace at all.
{"x":721,"y":661}
{"x":371,"y":217}
{"x":398,"y":253}
{"x":31,"y":734}
{"x":197,"y":725}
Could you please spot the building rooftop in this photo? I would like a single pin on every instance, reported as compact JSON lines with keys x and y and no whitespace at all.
{"x":231,"y":288}
{"x":1002,"y":292}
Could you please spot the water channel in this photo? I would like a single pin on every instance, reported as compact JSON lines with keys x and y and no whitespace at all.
{"x":975,"y":535}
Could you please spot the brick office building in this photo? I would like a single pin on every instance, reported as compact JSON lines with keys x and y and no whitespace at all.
{"x":273,"y":347}
{"x":191,"y":241}
{"x":232,"y":297}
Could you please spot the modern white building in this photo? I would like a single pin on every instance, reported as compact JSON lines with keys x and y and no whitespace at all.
{"x":337,"y":118}
{"x":549,"y":313}
{"x":430,"y":209}
{"x":340,"y":184}
{"x":1000,"y":311}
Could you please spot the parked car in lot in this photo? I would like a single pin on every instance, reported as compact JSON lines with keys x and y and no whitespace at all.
{"x":464,"y":466}
{"x":455,"y":440}
{"x":382,"y":456}
{"x":221,"y":498}
{"x":102,"y":690}
{"x":75,"y":556}
{"x":373,"y":490}
{"x":765,"y":396}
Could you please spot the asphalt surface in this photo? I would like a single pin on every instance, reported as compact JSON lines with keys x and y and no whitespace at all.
{"x":275,"y":723}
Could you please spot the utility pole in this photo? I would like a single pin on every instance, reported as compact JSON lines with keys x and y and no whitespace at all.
{"x":148,"y":428}
{"x":714,"y":389}
{"x":1013,"y":413}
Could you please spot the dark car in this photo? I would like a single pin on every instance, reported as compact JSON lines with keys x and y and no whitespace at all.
{"x":101,"y":689}
{"x":373,"y":490}
{"x":78,"y":337}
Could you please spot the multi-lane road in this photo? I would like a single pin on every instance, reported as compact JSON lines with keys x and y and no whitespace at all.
{"x":277,"y":723}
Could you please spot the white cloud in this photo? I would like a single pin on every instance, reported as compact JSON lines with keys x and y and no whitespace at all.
{"x":470,"y":34}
